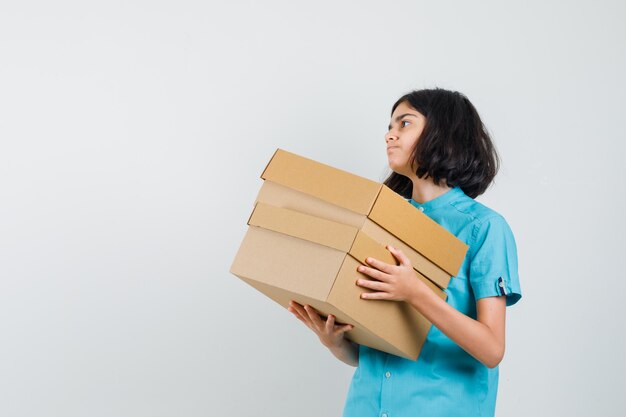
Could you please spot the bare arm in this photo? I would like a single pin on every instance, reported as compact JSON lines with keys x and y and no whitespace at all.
{"x":330,"y":334}
{"x":482,"y":338}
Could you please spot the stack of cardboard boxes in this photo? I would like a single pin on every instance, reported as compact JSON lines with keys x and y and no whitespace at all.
{"x":313,"y":224}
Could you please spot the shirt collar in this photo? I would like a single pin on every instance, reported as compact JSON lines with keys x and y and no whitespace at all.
{"x":438,"y":202}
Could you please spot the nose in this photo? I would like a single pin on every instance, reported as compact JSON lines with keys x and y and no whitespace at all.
{"x":390,"y":136}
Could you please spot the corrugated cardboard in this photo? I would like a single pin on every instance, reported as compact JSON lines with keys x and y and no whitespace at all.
{"x":325,"y":189}
{"x":299,"y":263}
{"x":311,"y":227}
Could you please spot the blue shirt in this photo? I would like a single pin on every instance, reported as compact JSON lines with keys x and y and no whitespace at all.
{"x":445,"y":381}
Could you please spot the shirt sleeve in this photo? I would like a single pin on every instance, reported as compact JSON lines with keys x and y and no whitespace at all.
{"x":493,"y":268}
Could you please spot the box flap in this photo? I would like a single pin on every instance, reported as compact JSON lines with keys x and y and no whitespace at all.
{"x":281,"y":196}
{"x":304,"y":226}
{"x":349,"y":191}
{"x":418,"y":230}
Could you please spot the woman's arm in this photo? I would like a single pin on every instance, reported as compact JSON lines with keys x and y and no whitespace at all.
{"x":482,"y":338}
{"x":331,"y":335}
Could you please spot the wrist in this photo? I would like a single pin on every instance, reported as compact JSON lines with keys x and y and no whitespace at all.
{"x":347,"y":352}
{"x":338,"y":346}
{"x":419,"y":291}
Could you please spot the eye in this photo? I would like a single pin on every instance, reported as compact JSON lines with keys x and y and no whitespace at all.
{"x":404,"y":121}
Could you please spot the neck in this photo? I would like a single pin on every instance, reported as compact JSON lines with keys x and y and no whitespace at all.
{"x":424,"y":189}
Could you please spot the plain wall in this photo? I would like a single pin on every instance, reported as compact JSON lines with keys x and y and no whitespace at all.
{"x":132,"y":137}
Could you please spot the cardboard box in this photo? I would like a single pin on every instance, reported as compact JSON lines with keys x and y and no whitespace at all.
{"x":311,"y":227}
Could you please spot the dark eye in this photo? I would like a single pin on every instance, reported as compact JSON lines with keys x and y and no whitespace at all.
{"x":404,"y":121}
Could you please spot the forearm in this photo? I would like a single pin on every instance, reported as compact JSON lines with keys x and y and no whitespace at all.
{"x":471,"y":335}
{"x":347,"y":352}
{"x":482,"y":338}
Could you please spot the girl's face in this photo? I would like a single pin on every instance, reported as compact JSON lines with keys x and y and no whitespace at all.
{"x":405,"y":128}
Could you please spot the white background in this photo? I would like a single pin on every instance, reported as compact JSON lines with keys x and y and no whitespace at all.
{"x":132,"y":137}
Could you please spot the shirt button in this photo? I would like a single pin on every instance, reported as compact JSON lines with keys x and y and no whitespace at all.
{"x":420,"y":208}
{"x":388,"y":374}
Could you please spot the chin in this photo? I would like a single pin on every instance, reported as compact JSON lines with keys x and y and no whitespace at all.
{"x":397,"y":166}
{"x":393,"y":167}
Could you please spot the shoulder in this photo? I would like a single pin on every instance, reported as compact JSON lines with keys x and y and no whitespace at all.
{"x":474,"y":209}
{"x":477,"y":214}
{"x":483,"y":223}
{"x":492,"y":254}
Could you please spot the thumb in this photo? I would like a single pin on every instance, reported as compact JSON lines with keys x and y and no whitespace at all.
{"x":344,"y":328}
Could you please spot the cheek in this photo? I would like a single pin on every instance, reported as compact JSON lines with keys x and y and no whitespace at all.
{"x":411,"y":144}
{"x":404,"y":154}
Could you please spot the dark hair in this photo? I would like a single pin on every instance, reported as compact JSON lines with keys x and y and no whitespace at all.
{"x":454,"y":147}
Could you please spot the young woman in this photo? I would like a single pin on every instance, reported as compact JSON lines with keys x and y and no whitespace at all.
{"x":442,"y":158}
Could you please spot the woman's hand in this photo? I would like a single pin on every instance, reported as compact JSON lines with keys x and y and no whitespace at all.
{"x":391,"y":282}
{"x":330,"y":334}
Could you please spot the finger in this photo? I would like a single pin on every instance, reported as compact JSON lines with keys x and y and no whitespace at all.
{"x":376,"y":296}
{"x":380,"y":265}
{"x":399,"y":255}
{"x":294,"y":312}
{"x":300,"y":317}
{"x":315,"y":318}
{"x":330,"y":323}
{"x":372,"y":285}
{"x":343,"y":328}
{"x":374,"y":273}
{"x":298,"y":308}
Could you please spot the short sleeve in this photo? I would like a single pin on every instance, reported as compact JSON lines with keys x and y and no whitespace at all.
{"x":493,"y":267}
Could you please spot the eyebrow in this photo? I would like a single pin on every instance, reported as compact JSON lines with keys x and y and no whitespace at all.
{"x":401,"y":116}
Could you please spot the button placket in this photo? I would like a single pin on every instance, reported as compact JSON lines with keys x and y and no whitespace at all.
{"x":387,"y":387}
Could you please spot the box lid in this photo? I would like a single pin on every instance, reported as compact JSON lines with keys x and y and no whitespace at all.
{"x":304,"y":226}
{"x":322,"y":181}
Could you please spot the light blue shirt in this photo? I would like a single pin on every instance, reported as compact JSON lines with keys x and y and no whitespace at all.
{"x":445,"y":381}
